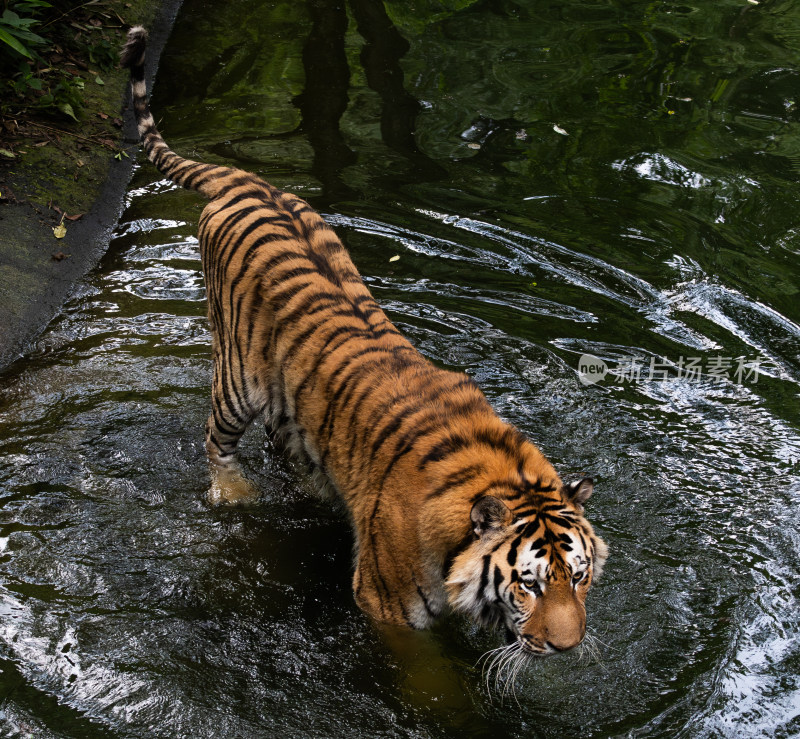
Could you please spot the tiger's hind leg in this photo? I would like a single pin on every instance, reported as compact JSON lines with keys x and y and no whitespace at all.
{"x":232,"y":411}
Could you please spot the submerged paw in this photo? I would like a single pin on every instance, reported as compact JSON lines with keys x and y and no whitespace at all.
{"x":231,"y":488}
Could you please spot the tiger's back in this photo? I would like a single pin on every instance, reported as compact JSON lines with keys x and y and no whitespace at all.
{"x":440,"y":491}
{"x":298,"y":337}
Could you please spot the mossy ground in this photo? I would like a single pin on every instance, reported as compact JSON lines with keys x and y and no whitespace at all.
{"x":55,"y":170}
{"x":58,"y":161}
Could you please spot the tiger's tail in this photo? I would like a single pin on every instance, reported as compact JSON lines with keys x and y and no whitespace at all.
{"x":205,"y":178}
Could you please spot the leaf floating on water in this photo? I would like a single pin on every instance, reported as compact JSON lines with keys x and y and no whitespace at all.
{"x":395,"y":258}
{"x":560,"y":130}
{"x":473,"y":145}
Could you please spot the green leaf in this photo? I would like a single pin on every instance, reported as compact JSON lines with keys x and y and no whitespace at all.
{"x":99,"y":81}
{"x":66,"y":108}
{"x":10,"y":18}
{"x":8,"y":39}
{"x":28,"y":36}
{"x":7,"y":153}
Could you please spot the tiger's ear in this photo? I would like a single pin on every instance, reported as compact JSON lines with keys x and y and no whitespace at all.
{"x":579,"y":491}
{"x":489,"y":513}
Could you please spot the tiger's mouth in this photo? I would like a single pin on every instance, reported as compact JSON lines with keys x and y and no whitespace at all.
{"x":533,"y":647}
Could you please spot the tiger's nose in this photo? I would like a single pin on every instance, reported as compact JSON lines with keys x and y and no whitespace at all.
{"x":566,"y":639}
{"x":561,"y":648}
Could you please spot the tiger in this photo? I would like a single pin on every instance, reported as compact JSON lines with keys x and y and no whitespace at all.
{"x":451,"y":507}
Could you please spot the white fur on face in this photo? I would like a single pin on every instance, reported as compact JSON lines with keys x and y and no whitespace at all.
{"x":530,"y":564}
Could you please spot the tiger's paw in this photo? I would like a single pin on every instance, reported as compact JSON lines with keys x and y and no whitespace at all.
{"x":229,"y":487}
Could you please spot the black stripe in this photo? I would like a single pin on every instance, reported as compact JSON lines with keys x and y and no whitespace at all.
{"x":405,"y":444}
{"x":484,"y":581}
{"x":497,"y":582}
{"x":455,"y":479}
{"x":512,"y":550}
{"x":359,"y":431}
{"x":321,"y":357}
{"x":425,"y":402}
{"x":422,"y":596}
{"x":566,"y":523}
{"x":307,"y":306}
{"x":508,"y":441}
{"x":454,"y":552}
{"x":342,"y":395}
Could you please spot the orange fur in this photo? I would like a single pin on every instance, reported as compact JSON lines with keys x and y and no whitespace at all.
{"x":450,"y":505}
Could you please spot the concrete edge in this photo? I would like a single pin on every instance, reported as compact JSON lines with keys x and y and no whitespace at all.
{"x":33,"y":286}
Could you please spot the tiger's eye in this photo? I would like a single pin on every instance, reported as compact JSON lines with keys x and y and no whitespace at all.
{"x":532,"y":586}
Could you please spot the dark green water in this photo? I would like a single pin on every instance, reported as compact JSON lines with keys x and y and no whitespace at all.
{"x":613,"y":178}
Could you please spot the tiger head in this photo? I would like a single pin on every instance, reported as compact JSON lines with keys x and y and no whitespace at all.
{"x":530,"y":568}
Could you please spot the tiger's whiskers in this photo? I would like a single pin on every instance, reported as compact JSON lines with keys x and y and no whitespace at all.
{"x":505,"y":662}
{"x":590,"y":649}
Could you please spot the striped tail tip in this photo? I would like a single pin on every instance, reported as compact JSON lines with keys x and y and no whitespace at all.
{"x":133,"y":51}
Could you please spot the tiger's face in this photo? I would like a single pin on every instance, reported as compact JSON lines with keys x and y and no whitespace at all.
{"x":530,"y":572}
